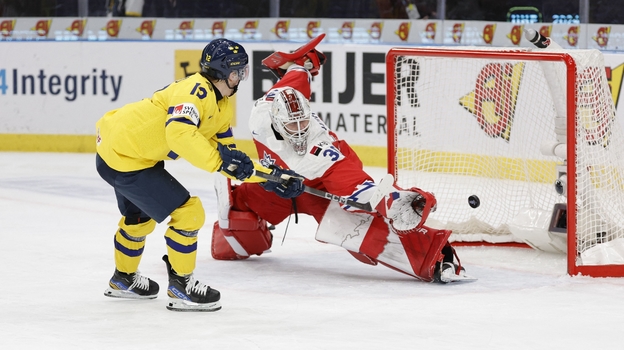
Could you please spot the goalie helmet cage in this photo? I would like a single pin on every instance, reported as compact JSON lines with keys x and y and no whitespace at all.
{"x":506,"y":126}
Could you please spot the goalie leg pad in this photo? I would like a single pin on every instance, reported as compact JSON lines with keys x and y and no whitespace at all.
{"x":223,"y":190}
{"x":424,"y":250}
{"x":363,"y":258}
{"x":373,"y":240}
{"x":247,"y":235}
{"x":415,"y":254}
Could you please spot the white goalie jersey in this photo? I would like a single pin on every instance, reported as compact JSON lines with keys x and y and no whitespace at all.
{"x":320,"y":155}
{"x":328,"y":163}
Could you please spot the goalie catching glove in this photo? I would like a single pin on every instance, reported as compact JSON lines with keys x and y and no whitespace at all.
{"x":235,"y":163}
{"x":291,"y":188}
{"x":407,"y":210}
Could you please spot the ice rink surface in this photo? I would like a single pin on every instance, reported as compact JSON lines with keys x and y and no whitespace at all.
{"x":56,"y":247}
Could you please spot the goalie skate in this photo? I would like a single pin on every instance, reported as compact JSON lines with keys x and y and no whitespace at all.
{"x":449,"y":274}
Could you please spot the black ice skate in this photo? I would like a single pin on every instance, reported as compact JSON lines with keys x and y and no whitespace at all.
{"x":450,"y":272}
{"x":131,"y":286}
{"x":447,"y":271}
{"x":188,"y":294}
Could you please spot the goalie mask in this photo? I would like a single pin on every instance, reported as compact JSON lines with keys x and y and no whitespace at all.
{"x":290,"y":115}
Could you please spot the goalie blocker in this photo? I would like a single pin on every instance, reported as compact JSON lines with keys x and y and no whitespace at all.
{"x":417,"y":252}
{"x":306,"y":56}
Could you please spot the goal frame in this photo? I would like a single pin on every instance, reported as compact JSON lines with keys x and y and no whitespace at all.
{"x":571,"y":70}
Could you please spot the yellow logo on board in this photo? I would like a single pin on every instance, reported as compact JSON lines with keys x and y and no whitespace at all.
{"x":493,"y":101}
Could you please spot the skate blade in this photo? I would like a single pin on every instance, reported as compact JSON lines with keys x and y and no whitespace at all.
{"x":124,"y":294}
{"x":185,"y":305}
{"x":460,"y":278}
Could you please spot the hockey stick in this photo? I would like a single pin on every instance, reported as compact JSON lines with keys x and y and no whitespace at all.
{"x":384,"y":187}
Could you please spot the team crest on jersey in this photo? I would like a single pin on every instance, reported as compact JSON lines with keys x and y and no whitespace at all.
{"x":325,"y":149}
{"x":266,"y":160}
{"x":316,"y":150}
{"x":186,"y":109}
{"x":270,"y":96}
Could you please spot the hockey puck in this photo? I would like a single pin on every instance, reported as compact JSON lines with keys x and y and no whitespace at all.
{"x":473,"y":201}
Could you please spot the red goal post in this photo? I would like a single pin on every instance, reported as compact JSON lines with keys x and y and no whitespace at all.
{"x":532,"y":134}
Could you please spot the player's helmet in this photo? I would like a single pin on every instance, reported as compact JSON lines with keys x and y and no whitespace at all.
{"x":221,"y":57}
{"x":290,"y":114}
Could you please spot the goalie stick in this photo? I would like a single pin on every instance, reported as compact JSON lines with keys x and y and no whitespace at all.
{"x":384,"y":187}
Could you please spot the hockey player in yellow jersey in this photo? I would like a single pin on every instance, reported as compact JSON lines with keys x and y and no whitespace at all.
{"x":190,"y":119}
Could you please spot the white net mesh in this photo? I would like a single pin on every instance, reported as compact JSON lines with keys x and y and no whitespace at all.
{"x":489,"y":127}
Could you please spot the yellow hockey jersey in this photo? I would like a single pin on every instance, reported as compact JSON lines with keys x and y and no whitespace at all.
{"x":184,"y":119}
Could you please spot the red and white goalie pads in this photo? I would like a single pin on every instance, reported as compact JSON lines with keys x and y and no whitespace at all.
{"x":237,"y":234}
{"x":371,"y":240}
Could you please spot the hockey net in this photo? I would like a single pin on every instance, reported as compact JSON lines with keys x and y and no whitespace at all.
{"x":531,"y":135}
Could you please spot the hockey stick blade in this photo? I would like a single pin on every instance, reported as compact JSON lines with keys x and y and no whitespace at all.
{"x":383,"y":188}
